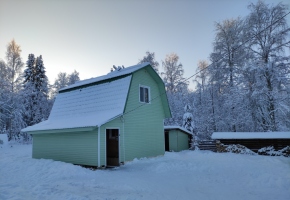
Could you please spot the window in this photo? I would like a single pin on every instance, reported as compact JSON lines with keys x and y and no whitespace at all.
{"x":113,"y":134}
{"x":144,"y":94}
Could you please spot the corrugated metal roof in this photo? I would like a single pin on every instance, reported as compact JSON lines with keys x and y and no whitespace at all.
{"x":114,"y":74}
{"x":87,"y":107}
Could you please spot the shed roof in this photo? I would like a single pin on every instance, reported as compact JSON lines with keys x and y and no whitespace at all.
{"x":251,"y":135}
{"x":177,"y":128}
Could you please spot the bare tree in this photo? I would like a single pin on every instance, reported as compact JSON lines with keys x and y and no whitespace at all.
{"x":202,"y":76}
{"x":173,"y":74}
{"x":14,"y":65}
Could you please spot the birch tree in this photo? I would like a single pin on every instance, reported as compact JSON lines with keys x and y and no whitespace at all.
{"x":12,"y":123}
{"x":269,"y":30}
{"x":14,"y":65}
{"x":176,"y":88}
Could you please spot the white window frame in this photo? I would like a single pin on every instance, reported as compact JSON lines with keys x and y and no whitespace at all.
{"x":149,"y":95}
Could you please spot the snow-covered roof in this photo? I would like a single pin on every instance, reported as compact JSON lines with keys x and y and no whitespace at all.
{"x":177,"y":127}
{"x":87,"y":107}
{"x":251,"y":135}
{"x":113,"y":74}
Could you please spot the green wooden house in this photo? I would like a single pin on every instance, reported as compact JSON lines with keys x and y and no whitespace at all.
{"x":177,"y":138}
{"x":105,"y":121}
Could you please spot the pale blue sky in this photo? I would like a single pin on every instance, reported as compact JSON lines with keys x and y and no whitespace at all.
{"x":91,"y":36}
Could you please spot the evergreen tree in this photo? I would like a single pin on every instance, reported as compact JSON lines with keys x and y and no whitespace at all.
{"x":188,"y":122}
{"x":35,"y":91}
{"x":41,"y":81}
{"x":29,"y":72}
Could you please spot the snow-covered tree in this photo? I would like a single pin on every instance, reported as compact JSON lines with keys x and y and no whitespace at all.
{"x":188,"y":121}
{"x":150,"y":57}
{"x":202,"y":76}
{"x":73,"y":77}
{"x":229,"y":36}
{"x":173,"y":74}
{"x":246,"y":86}
{"x":63,"y":79}
{"x":204,"y":102}
{"x":4,"y":79}
{"x":10,"y":106}
{"x":41,"y":81}
{"x":14,"y":65}
{"x":268,"y":30}
{"x":228,"y":60}
{"x":29,"y":72}
{"x":35,"y":91}
{"x":176,"y":88}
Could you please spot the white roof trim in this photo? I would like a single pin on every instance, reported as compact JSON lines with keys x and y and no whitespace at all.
{"x":177,"y":127}
{"x":251,"y":135}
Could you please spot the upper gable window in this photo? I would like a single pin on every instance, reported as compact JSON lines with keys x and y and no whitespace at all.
{"x":144,"y":94}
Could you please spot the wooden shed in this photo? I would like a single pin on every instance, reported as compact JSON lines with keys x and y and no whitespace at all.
{"x":176,"y":138}
{"x":105,"y":121}
{"x":254,"y":140}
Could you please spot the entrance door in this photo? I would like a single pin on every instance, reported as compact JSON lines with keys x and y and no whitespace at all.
{"x":112,"y":147}
{"x":166,"y":136}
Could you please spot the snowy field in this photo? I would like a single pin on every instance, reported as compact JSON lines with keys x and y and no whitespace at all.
{"x":186,"y":175}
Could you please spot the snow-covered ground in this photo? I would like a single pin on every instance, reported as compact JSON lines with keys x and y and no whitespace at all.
{"x":185,"y":175}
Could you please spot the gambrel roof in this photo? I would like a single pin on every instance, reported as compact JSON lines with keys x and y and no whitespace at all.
{"x":89,"y":103}
{"x":111,"y":75}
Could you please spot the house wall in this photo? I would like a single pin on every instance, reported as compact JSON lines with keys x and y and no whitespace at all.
{"x":173,"y":145}
{"x":72,"y":147}
{"x":141,"y":131}
{"x":116,"y":123}
{"x":143,"y":123}
{"x":182,"y":141}
{"x":178,"y":140}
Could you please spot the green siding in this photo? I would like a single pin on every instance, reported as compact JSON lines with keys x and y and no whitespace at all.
{"x":178,"y":140}
{"x":141,"y":130}
{"x":114,"y":124}
{"x":182,"y":141}
{"x":77,"y":148}
{"x":173,"y":140}
{"x":143,"y":127}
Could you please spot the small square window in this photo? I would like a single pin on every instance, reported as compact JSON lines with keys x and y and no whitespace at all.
{"x":144,"y":94}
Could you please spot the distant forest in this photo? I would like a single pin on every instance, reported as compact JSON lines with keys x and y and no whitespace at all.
{"x":244,"y":86}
